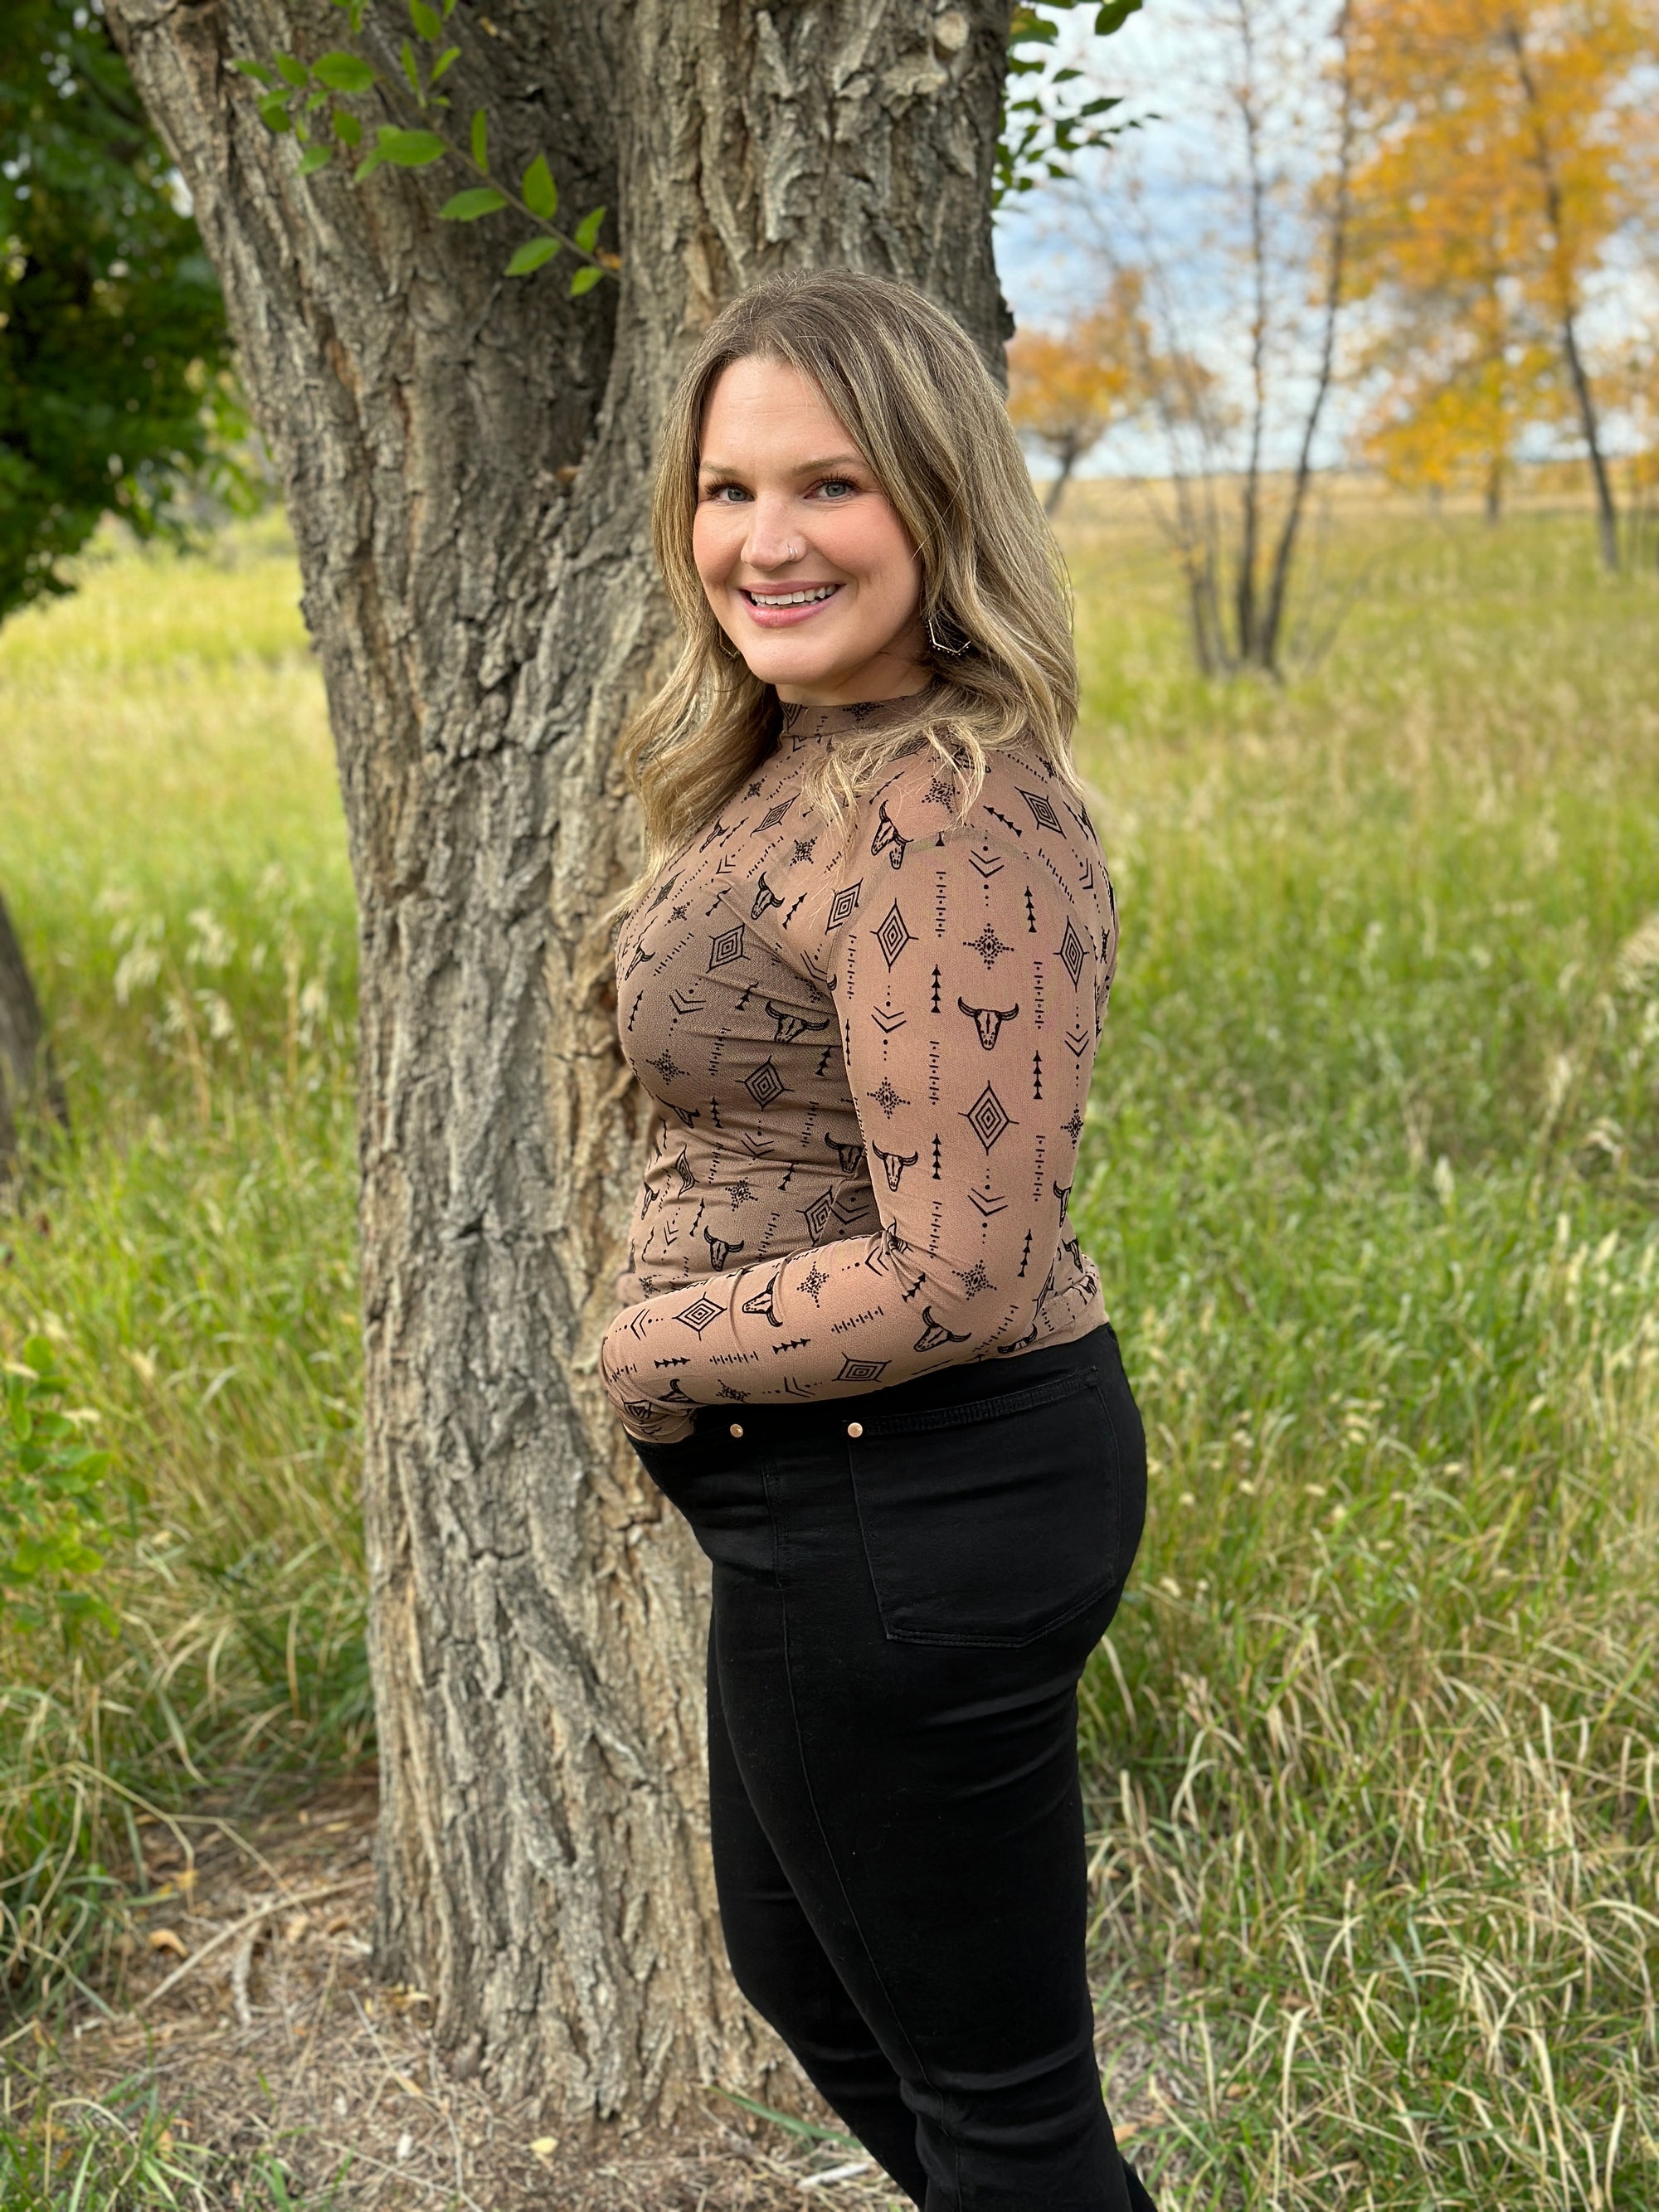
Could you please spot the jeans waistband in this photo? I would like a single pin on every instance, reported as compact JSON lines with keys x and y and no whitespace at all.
{"x":958,"y":1385}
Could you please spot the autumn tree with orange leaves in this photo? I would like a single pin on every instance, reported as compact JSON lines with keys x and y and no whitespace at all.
{"x":1067,"y":388}
{"x":1505,"y":147}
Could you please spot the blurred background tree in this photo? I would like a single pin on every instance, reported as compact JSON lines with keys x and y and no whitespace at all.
{"x":116,"y":395}
{"x":116,"y":390}
{"x":1508,"y":156}
{"x":1067,"y":388}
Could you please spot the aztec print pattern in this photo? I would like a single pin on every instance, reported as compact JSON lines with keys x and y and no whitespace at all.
{"x":870,"y":1056}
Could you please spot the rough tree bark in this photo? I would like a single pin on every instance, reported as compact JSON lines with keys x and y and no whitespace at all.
{"x":21,"y":1032}
{"x":466,"y":460}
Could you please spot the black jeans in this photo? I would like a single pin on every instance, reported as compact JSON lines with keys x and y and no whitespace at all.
{"x":907,"y":1586}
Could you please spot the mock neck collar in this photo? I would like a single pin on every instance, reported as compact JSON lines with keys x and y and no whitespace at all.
{"x":800,"y":721}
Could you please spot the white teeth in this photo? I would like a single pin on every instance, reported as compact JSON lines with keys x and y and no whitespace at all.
{"x":793,"y":599}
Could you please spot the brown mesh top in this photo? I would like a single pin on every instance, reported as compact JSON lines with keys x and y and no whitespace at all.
{"x":870,"y":1053}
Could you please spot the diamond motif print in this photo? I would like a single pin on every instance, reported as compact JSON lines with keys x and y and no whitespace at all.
{"x":988,"y":1117}
{"x":1071,"y":951}
{"x":887,"y":1098}
{"x":774,"y":815}
{"x":728,"y":945}
{"x":845,"y":903}
{"x":666,"y":1066}
{"x":698,"y":1316}
{"x":764,"y":1084}
{"x":894,"y":934}
{"x":817,"y":1216}
{"x":861,"y":1371}
{"x":989,"y":946}
{"x":1041,"y":813}
{"x":813,"y":1281}
{"x":975,"y":1280}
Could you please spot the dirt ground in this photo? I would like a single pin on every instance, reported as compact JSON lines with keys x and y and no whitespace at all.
{"x":250,"y":2011}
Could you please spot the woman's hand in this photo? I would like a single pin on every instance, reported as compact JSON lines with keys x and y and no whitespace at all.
{"x":666,"y":1432}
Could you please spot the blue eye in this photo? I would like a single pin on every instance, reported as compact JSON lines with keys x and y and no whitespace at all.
{"x":838,"y":484}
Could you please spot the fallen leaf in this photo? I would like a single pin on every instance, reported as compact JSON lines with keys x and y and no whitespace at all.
{"x":295,"y":1926}
{"x":167,"y":1939}
{"x":543,"y":2147}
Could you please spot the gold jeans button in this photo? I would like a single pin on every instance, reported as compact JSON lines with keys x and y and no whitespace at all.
{"x":737,"y":1428}
{"x":855,"y":1428}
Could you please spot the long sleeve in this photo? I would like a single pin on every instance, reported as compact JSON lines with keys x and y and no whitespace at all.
{"x":968,"y":960}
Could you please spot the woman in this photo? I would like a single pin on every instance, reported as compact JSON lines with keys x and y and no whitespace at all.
{"x":861,"y":1348}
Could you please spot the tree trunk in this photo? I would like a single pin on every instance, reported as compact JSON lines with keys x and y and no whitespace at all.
{"x":20,"y":1034}
{"x":1067,"y":456}
{"x":466,"y":459}
{"x":1272,"y":618}
{"x":1607,"y":510}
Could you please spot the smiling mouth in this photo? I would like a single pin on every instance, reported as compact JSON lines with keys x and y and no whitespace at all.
{"x":805,"y":595}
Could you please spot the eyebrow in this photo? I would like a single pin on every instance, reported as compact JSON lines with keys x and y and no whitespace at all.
{"x":802,"y":468}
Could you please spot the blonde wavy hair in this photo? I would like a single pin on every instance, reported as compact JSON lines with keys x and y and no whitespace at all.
{"x":916,"y":399}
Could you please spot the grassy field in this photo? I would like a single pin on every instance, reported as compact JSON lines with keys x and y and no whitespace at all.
{"x":172,"y":852}
{"x":1370,"y":1173}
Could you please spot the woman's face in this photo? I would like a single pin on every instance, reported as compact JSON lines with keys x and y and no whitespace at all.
{"x":809,"y":572}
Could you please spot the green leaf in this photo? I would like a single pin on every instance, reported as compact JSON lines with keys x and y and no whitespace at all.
{"x":480,"y":140}
{"x":531,"y":255}
{"x":412,"y":71}
{"x":468,"y":206}
{"x":295,"y":71}
{"x":427,"y":21}
{"x":347,"y":129}
{"x":315,"y":158}
{"x":273,"y":111}
{"x":261,"y":71}
{"x":587,"y":230}
{"x":450,"y":55}
{"x":367,"y":166}
{"x":541,"y":194}
{"x":584,"y":280}
{"x":342,"y":72}
{"x":1115,"y":16}
{"x":410,"y":150}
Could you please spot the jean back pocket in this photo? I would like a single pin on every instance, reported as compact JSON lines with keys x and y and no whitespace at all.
{"x":993,"y":1522}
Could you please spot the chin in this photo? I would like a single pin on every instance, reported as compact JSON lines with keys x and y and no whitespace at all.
{"x":812,"y":672}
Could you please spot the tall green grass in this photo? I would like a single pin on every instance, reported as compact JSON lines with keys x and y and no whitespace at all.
{"x":1370,"y":1175}
{"x":171,"y":849}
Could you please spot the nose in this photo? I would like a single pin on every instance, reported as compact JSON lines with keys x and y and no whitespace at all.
{"x":771,"y":543}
